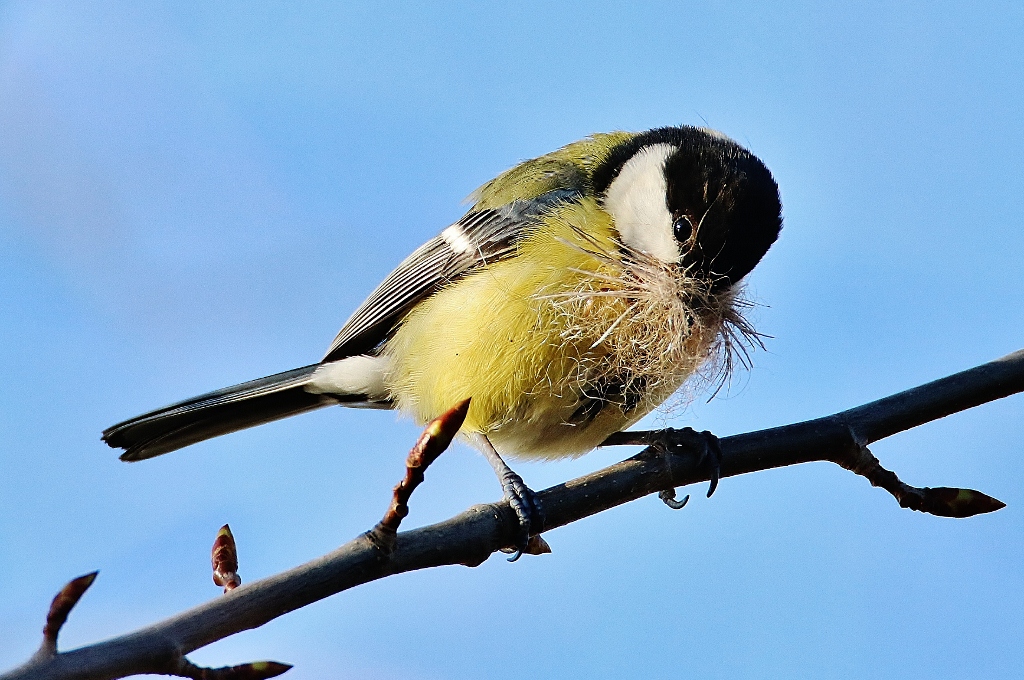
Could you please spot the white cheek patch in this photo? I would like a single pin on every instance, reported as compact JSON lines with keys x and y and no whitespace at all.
{"x":636,"y":200}
{"x":354,"y":375}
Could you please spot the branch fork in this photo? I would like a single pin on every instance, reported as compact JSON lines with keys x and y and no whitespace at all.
{"x":177,"y":665}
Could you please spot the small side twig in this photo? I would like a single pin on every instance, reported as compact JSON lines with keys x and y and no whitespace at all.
{"x":257,"y":670}
{"x":224,"y":558}
{"x":60,"y":608}
{"x":943,"y":501}
{"x":436,"y":438}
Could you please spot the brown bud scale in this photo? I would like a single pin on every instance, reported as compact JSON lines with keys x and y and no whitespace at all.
{"x":224,"y":558}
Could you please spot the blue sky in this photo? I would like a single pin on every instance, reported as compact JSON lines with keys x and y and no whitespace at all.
{"x":192,"y":195}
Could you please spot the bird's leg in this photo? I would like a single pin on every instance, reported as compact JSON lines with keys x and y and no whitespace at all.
{"x":520,"y":497}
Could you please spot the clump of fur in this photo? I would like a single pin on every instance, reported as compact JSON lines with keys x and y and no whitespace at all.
{"x":646,"y":328}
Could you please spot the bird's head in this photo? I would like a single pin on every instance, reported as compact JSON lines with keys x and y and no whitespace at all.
{"x":692,"y":197}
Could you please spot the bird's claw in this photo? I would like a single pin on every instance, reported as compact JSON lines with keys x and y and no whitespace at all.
{"x":526,"y":505}
{"x":713,"y":447}
{"x":668,"y":497}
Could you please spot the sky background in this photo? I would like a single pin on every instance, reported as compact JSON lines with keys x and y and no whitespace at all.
{"x":193,"y":195}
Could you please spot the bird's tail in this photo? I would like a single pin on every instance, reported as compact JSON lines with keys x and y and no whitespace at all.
{"x":216,"y":413}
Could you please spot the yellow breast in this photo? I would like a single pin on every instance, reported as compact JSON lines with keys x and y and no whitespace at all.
{"x":532,"y":337}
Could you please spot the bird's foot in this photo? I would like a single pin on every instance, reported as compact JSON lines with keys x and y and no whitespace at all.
{"x":709,"y":452}
{"x":525,"y":503}
{"x":521,"y":499}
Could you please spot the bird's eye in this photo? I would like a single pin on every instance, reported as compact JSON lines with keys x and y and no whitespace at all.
{"x":682,"y":229}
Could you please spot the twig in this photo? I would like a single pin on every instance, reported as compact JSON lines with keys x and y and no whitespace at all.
{"x":436,"y":438}
{"x":60,"y":608}
{"x":178,"y":665}
{"x":942,"y":500}
{"x":257,"y":670}
{"x":470,"y":537}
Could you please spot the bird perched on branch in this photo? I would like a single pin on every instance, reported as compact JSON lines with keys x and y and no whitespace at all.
{"x":581,"y":290}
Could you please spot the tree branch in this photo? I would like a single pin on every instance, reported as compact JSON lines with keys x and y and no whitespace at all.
{"x":470,"y":537}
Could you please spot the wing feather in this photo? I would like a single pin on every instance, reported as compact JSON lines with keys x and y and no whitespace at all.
{"x":480,"y":237}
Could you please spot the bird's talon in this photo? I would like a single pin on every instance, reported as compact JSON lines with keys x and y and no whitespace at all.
{"x":713,"y":485}
{"x":712,"y":445}
{"x":668,"y":497}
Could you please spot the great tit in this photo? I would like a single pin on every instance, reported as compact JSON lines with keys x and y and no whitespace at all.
{"x":581,"y":290}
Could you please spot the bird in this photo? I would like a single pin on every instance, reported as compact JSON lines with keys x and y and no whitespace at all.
{"x":579,"y":292}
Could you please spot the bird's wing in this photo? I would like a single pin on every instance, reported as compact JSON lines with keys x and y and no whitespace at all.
{"x":481,"y":237}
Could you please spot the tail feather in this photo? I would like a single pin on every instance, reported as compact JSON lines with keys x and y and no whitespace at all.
{"x":216,"y":413}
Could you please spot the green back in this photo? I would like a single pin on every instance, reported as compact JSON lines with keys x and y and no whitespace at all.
{"x":570,"y":167}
